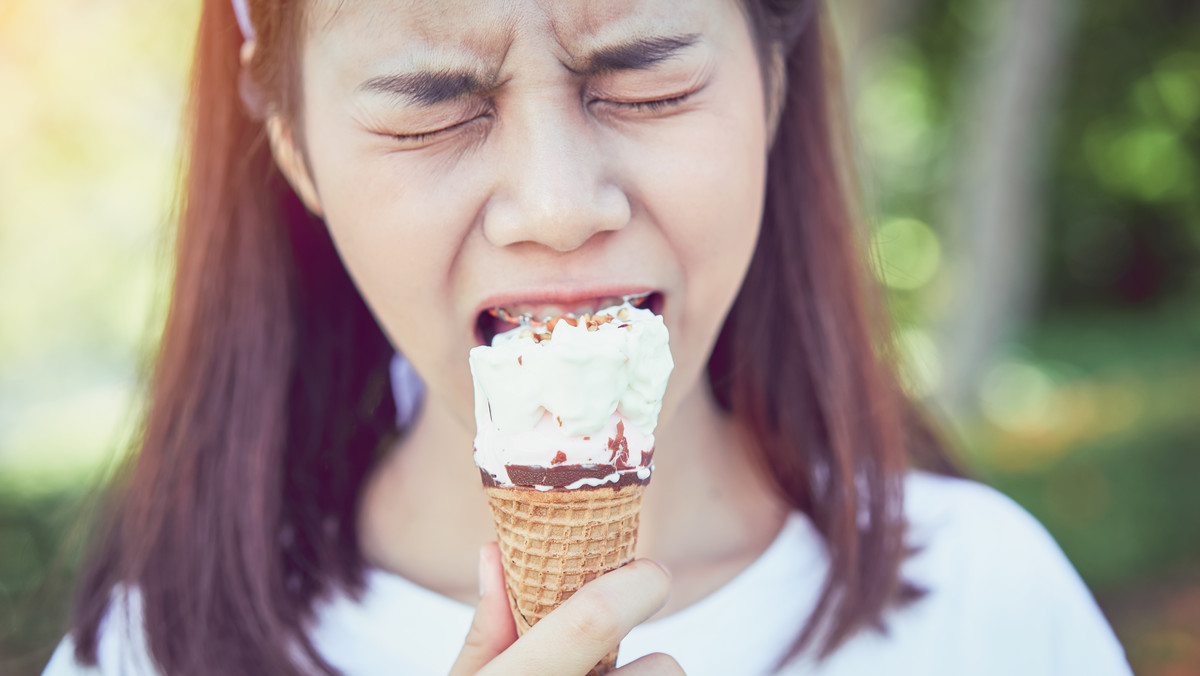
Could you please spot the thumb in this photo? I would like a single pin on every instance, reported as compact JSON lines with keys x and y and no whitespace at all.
{"x":493,"y":629}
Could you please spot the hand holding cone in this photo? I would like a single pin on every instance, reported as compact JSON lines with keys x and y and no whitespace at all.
{"x":565,"y":443}
{"x":554,"y":542}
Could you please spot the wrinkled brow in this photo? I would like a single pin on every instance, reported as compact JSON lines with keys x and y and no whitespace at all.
{"x":428,"y":88}
{"x":637,"y":54}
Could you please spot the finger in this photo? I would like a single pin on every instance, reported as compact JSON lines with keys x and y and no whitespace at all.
{"x":654,"y":664}
{"x":576,"y":635}
{"x":493,"y":629}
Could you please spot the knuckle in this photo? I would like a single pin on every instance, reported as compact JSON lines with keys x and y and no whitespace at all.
{"x":594,"y":617}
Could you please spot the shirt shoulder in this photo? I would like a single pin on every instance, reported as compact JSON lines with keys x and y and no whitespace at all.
{"x":359,"y":634}
{"x":121,"y":649}
{"x":974,"y":540}
{"x":1000,"y":597}
{"x":964,"y":523}
{"x":1000,"y":592}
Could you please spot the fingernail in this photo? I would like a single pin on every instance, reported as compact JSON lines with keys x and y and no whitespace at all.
{"x":483,"y":571}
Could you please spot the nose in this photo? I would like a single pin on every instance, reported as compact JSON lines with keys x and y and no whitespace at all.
{"x":555,"y":185}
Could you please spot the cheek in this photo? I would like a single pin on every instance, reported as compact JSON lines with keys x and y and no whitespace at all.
{"x":704,"y":190}
{"x":397,"y":229}
{"x":720,"y":219}
{"x":706,"y":195}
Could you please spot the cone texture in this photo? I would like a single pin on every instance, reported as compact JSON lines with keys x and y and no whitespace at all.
{"x":553,"y":542}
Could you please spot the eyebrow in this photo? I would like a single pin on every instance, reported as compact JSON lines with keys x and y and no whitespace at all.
{"x":639,"y":54}
{"x":427,"y":87}
{"x":430,"y":88}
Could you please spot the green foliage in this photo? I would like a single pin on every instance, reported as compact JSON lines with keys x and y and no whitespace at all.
{"x":1113,"y":478}
{"x":1126,"y":209}
{"x":40,"y":556}
{"x":1090,"y":419}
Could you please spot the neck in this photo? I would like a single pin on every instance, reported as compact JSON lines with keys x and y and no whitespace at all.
{"x":707,"y":513}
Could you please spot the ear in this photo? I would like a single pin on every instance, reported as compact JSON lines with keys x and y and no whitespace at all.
{"x":291,"y":162}
{"x":287,"y":155}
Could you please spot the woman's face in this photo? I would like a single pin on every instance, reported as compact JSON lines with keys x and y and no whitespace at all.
{"x":538,"y":156}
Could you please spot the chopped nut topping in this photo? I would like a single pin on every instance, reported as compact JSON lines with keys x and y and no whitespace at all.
{"x":542,"y":331}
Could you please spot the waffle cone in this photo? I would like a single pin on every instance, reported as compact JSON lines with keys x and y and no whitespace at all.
{"x":553,"y":542}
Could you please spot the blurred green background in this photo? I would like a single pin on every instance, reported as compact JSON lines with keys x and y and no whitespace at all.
{"x":1032,"y":167}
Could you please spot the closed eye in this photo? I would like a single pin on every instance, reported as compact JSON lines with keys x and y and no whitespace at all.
{"x":424,"y":137}
{"x":644,"y":108}
{"x":653,"y":105}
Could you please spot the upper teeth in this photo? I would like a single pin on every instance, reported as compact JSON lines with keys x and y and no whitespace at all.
{"x":547,"y":312}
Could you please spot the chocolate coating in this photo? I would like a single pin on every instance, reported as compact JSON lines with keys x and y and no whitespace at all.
{"x":560,"y":476}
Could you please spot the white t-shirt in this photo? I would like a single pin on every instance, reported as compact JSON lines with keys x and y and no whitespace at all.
{"x":1002,"y":600}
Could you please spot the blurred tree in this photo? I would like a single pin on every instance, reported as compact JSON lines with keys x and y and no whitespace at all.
{"x":866,"y":25}
{"x":1035,"y":168}
{"x":996,"y":209}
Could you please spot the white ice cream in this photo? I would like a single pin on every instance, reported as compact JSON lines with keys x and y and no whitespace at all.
{"x":566,"y":394}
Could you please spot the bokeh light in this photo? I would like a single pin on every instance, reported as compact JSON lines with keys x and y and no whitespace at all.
{"x":921,"y":364}
{"x":93,"y":95}
{"x":907,"y":253}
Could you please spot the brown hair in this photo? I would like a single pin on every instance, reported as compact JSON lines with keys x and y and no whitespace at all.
{"x":269,"y":397}
{"x":805,"y":357}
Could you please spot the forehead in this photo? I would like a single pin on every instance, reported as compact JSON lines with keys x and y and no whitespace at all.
{"x":492,"y":25}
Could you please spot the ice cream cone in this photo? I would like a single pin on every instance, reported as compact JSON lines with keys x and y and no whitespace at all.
{"x":565,"y":413}
{"x":553,"y":542}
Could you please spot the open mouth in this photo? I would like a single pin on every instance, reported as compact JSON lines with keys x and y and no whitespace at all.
{"x":497,"y":320}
